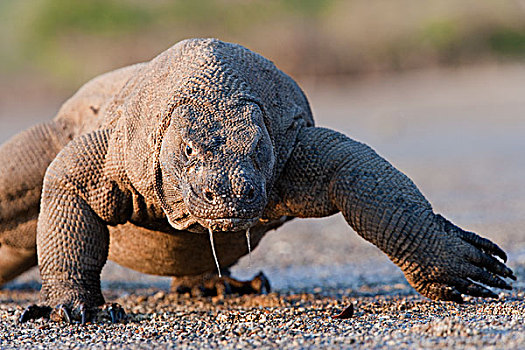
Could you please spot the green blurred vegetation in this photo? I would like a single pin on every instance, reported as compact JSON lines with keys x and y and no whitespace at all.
{"x":73,"y":40}
{"x":508,"y":42}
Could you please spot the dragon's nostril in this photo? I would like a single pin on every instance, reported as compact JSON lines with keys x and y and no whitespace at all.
{"x":208,"y":195}
{"x":251,"y":193}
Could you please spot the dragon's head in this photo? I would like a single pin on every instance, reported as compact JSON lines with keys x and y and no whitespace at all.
{"x":216,"y":159}
{"x":203,"y":129}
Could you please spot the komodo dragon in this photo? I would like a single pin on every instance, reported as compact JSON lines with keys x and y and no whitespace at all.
{"x":145,"y":164}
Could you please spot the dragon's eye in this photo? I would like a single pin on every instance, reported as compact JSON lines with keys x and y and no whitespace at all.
{"x":188,"y":150}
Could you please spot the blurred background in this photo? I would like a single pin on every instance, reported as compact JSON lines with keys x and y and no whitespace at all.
{"x":66,"y":42}
{"x":436,"y":86}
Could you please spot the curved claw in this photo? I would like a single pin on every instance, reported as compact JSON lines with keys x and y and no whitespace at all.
{"x":222,"y":288}
{"x":63,"y":313}
{"x":488,"y":278}
{"x":84,"y":314}
{"x":34,"y":312}
{"x":470,"y":288}
{"x":439,"y":291}
{"x":479,"y":291}
{"x":264,"y":283}
{"x":113,"y":315}
{"x":492,"y":266}
{"x":116,"y":312}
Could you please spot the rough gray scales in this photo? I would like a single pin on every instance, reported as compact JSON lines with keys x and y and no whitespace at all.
{"x":143,"y":162}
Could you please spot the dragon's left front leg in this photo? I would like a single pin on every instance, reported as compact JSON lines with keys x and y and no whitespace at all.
{"x":328,"y":172}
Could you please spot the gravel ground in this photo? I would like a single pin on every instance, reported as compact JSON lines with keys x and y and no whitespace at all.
{"x":458,"y":134}
{"x":158,"y":319}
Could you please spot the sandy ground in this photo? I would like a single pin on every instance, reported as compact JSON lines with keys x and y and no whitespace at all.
{"x":459,"y":134}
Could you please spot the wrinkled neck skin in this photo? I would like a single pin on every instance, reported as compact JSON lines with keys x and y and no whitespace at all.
{"x":215,"y":164}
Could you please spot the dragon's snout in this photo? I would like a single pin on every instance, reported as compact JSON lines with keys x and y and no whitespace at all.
{"x":245,"y":191}
{"x":227,"y":199}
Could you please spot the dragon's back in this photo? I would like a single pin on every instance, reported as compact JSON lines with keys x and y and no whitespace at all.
{"x":87,"y":109}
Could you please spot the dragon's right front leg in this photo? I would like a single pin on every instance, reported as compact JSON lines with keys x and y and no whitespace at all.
{"x":79,"y":201}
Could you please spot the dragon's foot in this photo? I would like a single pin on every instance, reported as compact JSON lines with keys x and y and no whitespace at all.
{"x":462,"y":263}
{"x":213,"y":285}
{"x":81,"y":313}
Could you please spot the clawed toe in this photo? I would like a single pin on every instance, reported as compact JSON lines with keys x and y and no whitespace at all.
{"x":261,"y":283}
{"x":115,"y":311}
{"x":84,"y":314}
{"x":34,"y":312}
{"x":258,"y":285}
{"x":61,"y":313}
{"x":453,"y":288}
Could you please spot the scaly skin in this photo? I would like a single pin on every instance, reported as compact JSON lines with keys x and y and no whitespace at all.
{"x":207,"y":140}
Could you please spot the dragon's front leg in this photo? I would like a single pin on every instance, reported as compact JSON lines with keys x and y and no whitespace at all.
{"x":328,"y":172}
{"x":79,"y":201}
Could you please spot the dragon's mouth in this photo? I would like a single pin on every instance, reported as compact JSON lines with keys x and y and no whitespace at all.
{"x":228,"y":224}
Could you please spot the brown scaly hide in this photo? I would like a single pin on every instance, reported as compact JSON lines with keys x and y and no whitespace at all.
{"x":208,"y":136}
